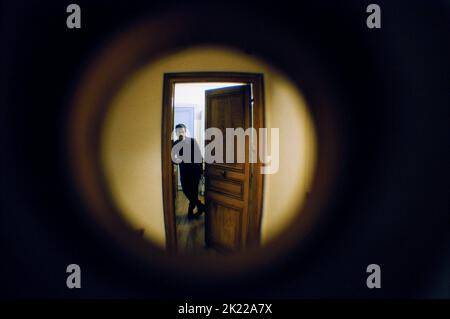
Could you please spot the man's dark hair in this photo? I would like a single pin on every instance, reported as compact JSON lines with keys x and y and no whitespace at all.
{"x":181,"y":126}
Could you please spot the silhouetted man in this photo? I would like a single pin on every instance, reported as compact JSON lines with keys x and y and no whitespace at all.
{"x":191,"y":169}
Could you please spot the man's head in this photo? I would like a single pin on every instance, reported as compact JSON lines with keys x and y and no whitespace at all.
{"x":180,"y":130}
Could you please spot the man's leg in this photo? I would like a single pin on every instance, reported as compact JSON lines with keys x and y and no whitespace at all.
{"x":193,"y":193}
{"x":186,"y":185}
{"x":198,"y":203}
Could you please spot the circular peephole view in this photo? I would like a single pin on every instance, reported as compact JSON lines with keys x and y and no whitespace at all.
{"x":228,"y":166}
{"x":205,"y":153}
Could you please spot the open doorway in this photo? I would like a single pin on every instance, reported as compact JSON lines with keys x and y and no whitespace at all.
{"x":211,"y":204}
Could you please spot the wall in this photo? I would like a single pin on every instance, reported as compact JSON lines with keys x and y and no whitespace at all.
{"x":131,"y":140}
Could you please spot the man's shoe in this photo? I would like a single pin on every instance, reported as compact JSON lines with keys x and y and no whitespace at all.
{"x":200,"y":209}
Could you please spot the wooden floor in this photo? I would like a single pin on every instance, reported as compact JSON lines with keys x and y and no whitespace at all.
{"x":190,"y":233}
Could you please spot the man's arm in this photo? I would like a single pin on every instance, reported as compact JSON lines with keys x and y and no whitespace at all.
{"x":198,"y":158}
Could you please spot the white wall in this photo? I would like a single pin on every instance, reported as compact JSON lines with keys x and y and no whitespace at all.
{"x":131,"y":140}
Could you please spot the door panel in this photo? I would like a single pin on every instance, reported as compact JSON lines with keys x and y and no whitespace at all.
{"x":227,"y":184}
{"x":225,"y":227}
{"x":226,"y":109}
{"x":234,"y":189}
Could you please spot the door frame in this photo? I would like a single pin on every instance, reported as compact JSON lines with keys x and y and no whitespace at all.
{"x":257,"y":120}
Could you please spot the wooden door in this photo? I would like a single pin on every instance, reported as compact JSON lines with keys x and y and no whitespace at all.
{"x":227,"y":184}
